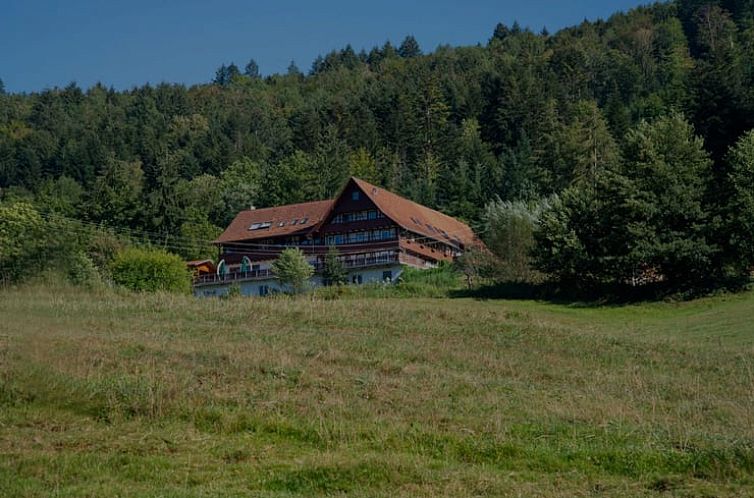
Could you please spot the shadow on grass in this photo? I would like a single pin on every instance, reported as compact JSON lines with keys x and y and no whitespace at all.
{"x":599,"y":295}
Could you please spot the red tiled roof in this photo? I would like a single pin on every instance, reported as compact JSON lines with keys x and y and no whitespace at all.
{"x":417,"y":218}
{"x":199,"y":262}
{"x":407,"y":214}
{"x":239,"y":229}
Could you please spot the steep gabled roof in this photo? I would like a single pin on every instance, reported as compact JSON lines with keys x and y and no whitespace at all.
{"x":264,"y":223}
{"x":280,"y":221}
{"x":417,"y":218}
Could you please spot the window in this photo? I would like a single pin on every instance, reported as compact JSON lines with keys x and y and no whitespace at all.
{"x":245,"y":264}
{"x":387,"y":276}
{"x":259,"y":226}
{"x":303,"y":221}
{"x":281,"y":224}
{"x":294,"y":221}
{"x":372,"y":215}
{"x":355,"y":195}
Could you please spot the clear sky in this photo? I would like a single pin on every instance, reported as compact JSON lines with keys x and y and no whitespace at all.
{"x":46,"y":43}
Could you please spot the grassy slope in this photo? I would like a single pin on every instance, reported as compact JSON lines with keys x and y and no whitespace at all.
{"x":114,"y":394}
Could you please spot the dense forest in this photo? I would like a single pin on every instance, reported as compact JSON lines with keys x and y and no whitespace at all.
{"x":632,"y":132}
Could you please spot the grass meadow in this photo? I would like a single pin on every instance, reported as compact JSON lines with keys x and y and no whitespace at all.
{"x":109,"y":393}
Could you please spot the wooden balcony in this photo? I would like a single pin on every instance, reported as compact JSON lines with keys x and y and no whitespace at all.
{"x":230,"y":277}
{"x":363,"y":262}
{"x":245,"y":276}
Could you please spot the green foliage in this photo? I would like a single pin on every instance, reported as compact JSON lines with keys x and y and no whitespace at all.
{"x":239,"y":189}
{"x":82,"y":270}
{"x":150,"y":270}
{"x":234,"y":291}
{"x":409,"y":47}
{"x":334,"y":272}
{"x":649,"y":222}
{"x":63,"y":196}
{"x":509,"y":234}
{"x":31,"y":244}
{"x":196,"y":239}
{"x":293,"y":270}
{"x":739,"y":212}
{"x":117,"y":195}
{"x":21,"y":228}
{"x":525,"y":117}
{"x":435,"y":282}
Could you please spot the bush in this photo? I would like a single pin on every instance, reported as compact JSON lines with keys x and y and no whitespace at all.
{"x":293,"y":270}
{"x":82,"y":270}
{"x":150,"y":270}
{"x":435,"y":282}
{"x":510,"y":228}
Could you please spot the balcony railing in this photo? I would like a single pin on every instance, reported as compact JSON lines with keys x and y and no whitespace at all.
{"x":234,"y":276}
{"x":362,"y":262}
{"x":242,"y":276}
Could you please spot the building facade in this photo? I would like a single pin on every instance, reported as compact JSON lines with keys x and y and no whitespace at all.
{"x":377,"y":233}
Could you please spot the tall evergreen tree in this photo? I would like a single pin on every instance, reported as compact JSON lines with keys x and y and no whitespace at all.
{"x":409,"y":48}
{"x":252,"y":69}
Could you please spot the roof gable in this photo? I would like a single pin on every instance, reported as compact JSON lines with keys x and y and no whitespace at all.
{"x":417,"y":218}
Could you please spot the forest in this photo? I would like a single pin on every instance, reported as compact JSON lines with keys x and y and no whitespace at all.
{"x":616,"y":151}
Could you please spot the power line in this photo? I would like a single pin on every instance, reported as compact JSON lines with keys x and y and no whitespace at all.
{"x":184,"y":242}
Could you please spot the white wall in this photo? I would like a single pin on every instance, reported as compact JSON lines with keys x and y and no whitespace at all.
{"x":252,"y":287}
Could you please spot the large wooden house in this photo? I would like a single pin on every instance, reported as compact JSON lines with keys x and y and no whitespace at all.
{"x":376,"y":233}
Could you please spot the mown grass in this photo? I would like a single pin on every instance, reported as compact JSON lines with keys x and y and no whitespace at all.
{"x":107,"y":393}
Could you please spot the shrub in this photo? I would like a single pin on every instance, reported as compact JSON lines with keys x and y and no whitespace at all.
{"x":293,"y":269}
{"x":510,"y":227}
{"x":82,"y":271}
{"x":334,"y":272}
{"x":150,"y":270}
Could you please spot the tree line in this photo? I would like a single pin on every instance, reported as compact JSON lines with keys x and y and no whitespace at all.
{"x":631,"y":132}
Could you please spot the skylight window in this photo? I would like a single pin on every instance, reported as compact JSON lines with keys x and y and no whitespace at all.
{"x":259,"y":226}
{"x":303,"y":220}
{"x":281,"y":224}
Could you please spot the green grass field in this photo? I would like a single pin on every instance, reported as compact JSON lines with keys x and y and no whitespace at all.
{"x":106,"y":393}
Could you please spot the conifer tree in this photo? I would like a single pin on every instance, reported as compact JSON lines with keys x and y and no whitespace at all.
{"x":252,"y":69}
{"x":409,"y":48}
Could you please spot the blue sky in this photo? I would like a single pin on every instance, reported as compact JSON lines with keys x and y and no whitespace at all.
{"x":128,"y":43}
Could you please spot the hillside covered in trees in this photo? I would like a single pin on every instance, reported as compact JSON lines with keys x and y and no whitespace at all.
{"x":644,"y":107}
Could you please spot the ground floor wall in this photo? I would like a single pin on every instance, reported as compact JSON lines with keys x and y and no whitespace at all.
{"x":262,"y":287}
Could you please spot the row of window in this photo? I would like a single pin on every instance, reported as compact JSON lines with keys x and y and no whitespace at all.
{"x":434,"y":229}
{"x":360,"y":237}
{"x":302,"y":221}
{"x":371,"y":214}
{"x":282,"y":223}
